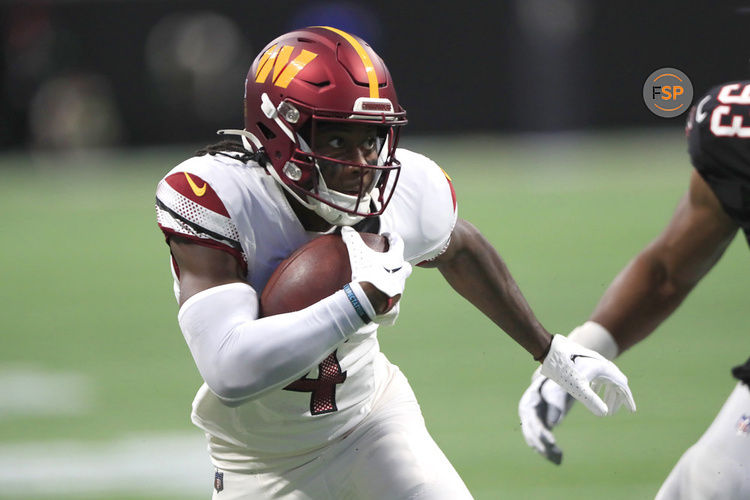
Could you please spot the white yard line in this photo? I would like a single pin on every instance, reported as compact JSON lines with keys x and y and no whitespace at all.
{"x":140,"y":465}
{"x":146,"y":465}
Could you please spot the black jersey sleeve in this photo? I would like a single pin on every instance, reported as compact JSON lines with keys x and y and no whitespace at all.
{"x":742,"y":372}
{"x":718,"y":131}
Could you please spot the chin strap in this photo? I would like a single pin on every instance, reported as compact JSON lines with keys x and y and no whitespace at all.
{"x":334,"y":216}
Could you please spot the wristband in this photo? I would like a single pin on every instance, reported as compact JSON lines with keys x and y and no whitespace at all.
{"x":545,"y":352}
{"x":356,"y":304}
{"x":594,"y":336}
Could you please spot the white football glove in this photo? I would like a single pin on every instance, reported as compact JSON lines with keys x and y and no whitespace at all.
{"x":387,"y":271}
{"x":542,"y":407}
{"x":582,"y":373}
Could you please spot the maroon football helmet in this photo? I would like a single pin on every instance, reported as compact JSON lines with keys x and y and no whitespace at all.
{"x":314,"y":75}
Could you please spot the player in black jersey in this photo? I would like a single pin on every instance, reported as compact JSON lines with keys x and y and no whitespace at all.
{"x":654,"y":284}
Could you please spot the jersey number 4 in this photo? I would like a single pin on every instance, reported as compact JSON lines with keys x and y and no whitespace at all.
{"x":323,"y":388}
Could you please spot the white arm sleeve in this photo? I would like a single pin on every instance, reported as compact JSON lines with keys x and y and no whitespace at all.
{"x":241,"y":357}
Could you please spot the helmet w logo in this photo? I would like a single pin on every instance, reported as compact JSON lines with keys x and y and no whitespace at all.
{"x":283,"y":71}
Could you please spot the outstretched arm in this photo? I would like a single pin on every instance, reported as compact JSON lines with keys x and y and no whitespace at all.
{"x":642,"y":295}
{"x":475,"y":270}
{"x":659,"y":278}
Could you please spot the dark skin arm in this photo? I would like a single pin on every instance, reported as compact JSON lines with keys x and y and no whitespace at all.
{"x":202,"y":267}
{"x":657,"y":280}
{"x":475,"y":270}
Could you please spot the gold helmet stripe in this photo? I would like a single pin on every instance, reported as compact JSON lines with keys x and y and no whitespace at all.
{"x":372,"y":78}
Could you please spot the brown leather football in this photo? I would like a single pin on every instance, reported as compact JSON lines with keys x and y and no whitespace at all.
{"x":313,"y":272}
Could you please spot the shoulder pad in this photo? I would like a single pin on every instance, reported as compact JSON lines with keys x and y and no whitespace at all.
{"x":425,"y":206}
{"x":188,"y":206}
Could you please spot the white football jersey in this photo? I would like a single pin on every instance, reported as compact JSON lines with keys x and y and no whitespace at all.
{"x":219,"y":201}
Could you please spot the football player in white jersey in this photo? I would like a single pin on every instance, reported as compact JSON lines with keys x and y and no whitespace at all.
{"x":303,"y":405}
{"x":650,"y":288}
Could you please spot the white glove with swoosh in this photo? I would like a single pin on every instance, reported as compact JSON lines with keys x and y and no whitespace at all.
{"x":582,"y":373}
{"x":386,"y":271}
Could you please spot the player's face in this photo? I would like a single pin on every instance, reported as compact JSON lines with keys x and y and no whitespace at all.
{"x":353,"y":143}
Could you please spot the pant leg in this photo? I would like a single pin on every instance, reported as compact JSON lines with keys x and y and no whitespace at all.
{"x":717,"y":467}
{"x":393,"y":456}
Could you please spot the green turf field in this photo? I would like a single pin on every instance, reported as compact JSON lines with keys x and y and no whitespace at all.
{"x":96,"y":381}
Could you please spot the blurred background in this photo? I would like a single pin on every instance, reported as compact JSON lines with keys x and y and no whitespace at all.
{"x":109,"y":73}
{"x":535,"y":109}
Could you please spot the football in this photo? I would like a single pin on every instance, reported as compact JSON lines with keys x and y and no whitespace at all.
{"x":313,"y":272}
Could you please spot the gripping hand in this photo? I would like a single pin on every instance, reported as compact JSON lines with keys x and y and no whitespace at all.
{"x":386,"y":271}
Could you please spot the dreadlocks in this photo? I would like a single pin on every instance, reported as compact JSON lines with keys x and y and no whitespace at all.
{"x":229,"y":146}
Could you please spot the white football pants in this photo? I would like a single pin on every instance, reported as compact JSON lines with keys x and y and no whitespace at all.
{"x":390,"y":455}
{"x":717,"y":467}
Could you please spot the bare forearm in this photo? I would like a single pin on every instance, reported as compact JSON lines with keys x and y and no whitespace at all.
{"x":638,"y":300}
{"x":654,"y":284}
{"x":479,"y":274}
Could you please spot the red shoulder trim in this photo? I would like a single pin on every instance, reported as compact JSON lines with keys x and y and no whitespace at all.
{"x":453,"y":191}
{"x":196,"y":189}
{"x":206,"y":243}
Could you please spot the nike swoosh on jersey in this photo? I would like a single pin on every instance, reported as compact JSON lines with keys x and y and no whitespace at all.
{"x":199,"y":191}
{"x":395,"y":270}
